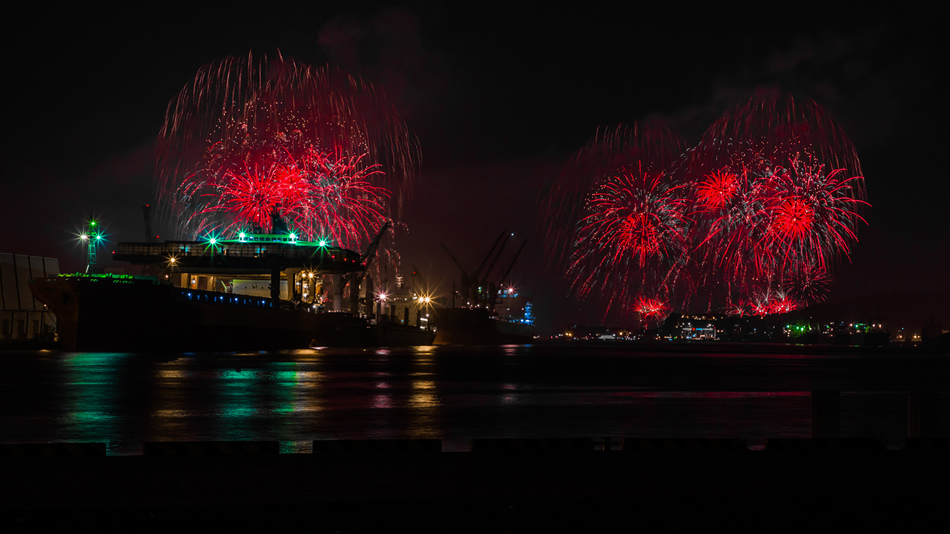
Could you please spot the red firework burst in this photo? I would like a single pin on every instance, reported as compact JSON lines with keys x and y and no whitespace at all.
{"x":637,"y":215}
{"x":636,"y":221}
{"x":770,"y":303}
{"x":792,"y":218}
{"x":775,"y":195}
{"x":717,"y":190}
{"x":247,"y":139}
{"x":812,"y":214}
{"x":326,"y":195}
{"x":787,"y":212}
{"x":651,"y":310}
{"x":605,"y":222}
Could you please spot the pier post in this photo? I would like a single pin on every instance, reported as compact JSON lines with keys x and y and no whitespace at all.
{"x":825,"y":414}
{"x":918,"y":423}
{"x":913,"y":414}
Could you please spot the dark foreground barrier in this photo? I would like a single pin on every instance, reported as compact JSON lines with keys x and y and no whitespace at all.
{"x":824,"y":444}
{"x":682,"y":444}
{"x":209,"y":448}
{"x":532,"y":445}
{"x":349,"y":446}
{"x":927,"y":444}
{"x":51,"y":450}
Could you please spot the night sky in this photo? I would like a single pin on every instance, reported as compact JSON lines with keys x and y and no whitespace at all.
{"x":499,"y":99}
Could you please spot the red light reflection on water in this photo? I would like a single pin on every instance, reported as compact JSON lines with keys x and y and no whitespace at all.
{"x":709,"y":394}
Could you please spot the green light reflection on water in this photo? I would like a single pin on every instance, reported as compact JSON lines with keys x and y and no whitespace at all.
{"x":90,"y":398}
{"x":279,"y":388}
{"x":236,"y":392}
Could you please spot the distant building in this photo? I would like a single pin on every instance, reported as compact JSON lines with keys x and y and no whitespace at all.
{"x":689,"y":327}
{"x":695,"y":330}
{"x":21,"y":316}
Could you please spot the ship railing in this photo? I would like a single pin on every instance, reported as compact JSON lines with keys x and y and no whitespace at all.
{"x":179,"y":249}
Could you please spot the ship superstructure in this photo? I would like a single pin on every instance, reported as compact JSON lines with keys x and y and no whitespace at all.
{"x":252,"y":291}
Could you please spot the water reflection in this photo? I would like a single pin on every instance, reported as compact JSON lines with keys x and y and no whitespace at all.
{"x":237,"y":392}
{"x":449,"y":393}
{"x":382,"y":400}
{"x":423,"y":394}
{"x":90,"y":398}
{"x":509,"y":395}
{"x":425,"y":403}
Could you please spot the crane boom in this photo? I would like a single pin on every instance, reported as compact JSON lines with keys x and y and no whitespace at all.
{"x":494,"y":296}
{"x":366,"y":258}
{"x":455,"y":261}
{"x":477,"y":274}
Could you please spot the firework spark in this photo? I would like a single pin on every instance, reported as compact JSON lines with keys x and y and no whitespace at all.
{"x":651,"y":310}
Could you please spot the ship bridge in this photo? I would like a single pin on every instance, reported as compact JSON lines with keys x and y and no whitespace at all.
{"x":205,"y":264}
{"x":241,"y":257}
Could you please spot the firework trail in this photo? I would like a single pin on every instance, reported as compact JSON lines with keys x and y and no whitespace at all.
{"x":249,"y":138}
{"x":752,"y":220}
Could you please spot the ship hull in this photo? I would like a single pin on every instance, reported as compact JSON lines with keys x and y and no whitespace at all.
{"x":464,"y":326}
{"x":105,"y":314}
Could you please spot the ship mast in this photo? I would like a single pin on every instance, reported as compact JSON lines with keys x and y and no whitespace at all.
{"x":91,"y":235}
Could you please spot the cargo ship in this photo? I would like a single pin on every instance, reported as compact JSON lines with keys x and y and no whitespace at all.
{"x":483,"y":312}
{"x":183,"y":308}
{"x":476,"y":326}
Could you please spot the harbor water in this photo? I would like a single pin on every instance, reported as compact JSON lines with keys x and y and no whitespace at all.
{"x":460,"y":393}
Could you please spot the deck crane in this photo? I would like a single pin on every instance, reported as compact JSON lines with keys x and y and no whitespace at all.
{"x":467,"y":291}
{"x":463,"y":290}
{"x":477,"y":287}
{"x":494,"y":295}
{"x":485,"y":282}
{"x":355,"y":278}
